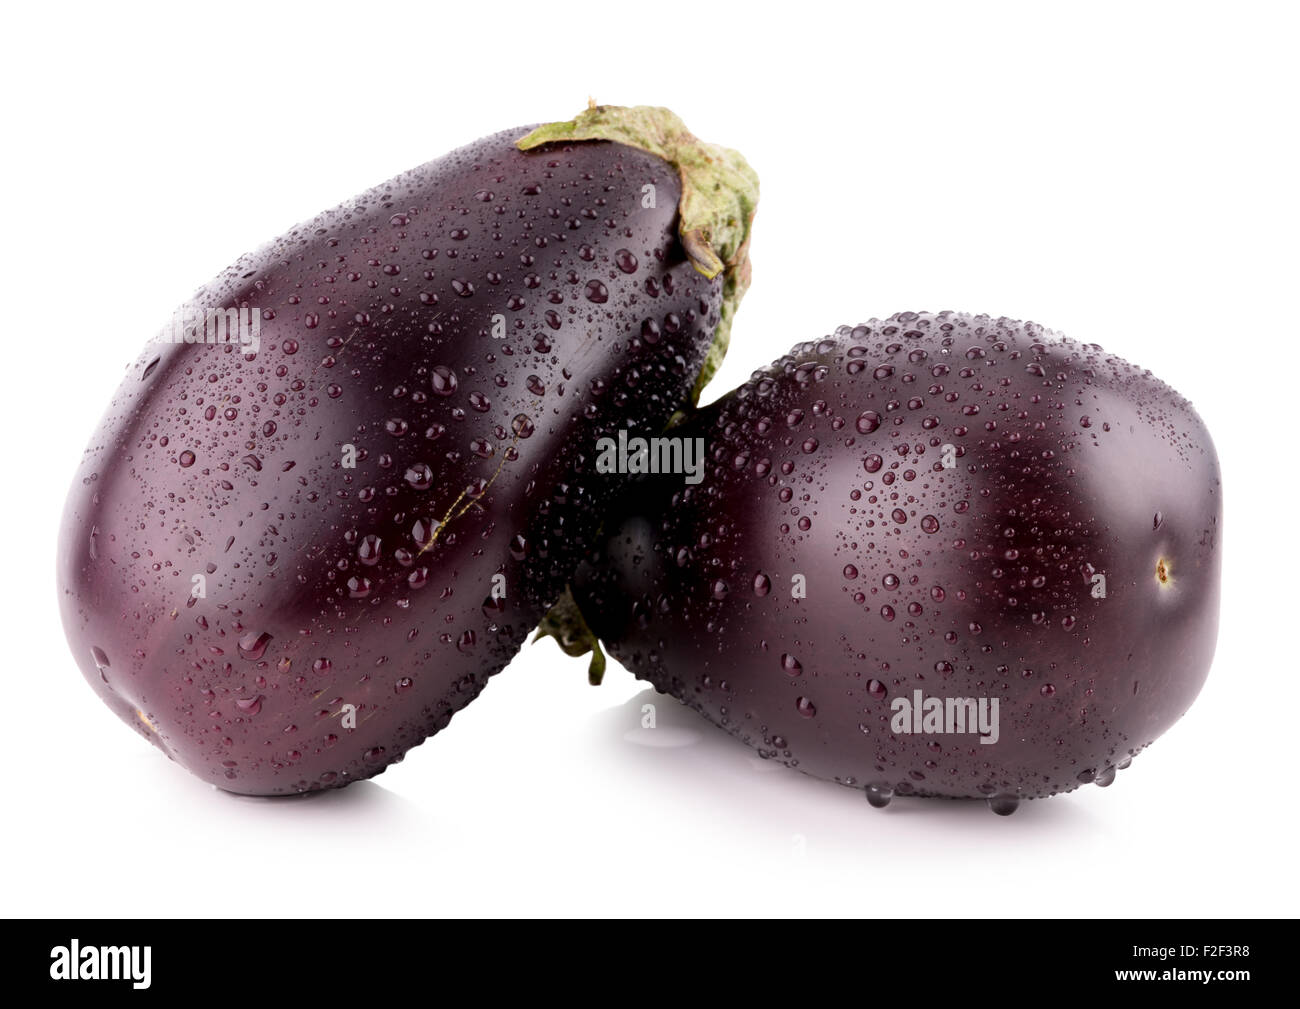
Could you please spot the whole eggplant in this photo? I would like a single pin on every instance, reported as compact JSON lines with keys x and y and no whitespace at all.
{"x":936,"y":555}
{"x":332,"y":500}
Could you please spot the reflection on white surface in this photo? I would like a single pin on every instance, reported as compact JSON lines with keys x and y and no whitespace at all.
{"x":662,"y":737}
{"x":363,"y":798}
{"x":701,"y":762}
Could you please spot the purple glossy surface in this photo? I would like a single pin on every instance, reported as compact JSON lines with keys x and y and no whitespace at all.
{"x":323,"y":587}
{"x":977,"y":580}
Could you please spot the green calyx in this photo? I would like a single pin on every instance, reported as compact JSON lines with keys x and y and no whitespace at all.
{"x":716,"y":210}
{"x":566,"y":624}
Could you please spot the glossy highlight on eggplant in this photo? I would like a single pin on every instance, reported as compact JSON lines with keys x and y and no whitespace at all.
{"x":937,"y":555}
{"x":331,"y":501}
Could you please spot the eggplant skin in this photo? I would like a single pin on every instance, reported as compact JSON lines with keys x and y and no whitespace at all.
{"x":973,"y":580}
{"x":470,"y":328}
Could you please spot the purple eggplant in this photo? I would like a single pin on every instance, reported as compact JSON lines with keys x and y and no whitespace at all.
{"x":334,"y":496}
{"x":939,"y":555}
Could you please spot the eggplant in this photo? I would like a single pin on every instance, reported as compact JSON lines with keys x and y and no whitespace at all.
{"x":333,"y":496}
{"x":938,"y":555}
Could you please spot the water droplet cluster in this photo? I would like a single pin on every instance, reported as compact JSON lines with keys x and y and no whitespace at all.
{"x":280,"y":563}
{"x":928,"y":502}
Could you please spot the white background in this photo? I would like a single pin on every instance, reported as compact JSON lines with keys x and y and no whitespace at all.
{"x":1122,"y":172}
